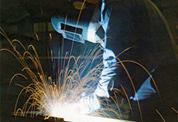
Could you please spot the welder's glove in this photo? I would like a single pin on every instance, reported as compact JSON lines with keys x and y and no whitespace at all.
{"x":108,"y":72}
{"x":89,"y":103}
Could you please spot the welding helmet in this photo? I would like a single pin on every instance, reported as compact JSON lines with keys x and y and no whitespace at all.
{"x":80,"y":23}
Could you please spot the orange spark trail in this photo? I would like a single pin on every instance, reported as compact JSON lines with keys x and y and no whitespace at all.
{"x":160,"y":115}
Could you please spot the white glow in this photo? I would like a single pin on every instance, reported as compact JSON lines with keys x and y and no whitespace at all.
{"x":86,"y":118}
{"x":71,"y":112}
{"x":66,"y":111}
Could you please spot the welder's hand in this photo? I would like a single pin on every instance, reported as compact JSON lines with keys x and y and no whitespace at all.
{"x":89,"y":103}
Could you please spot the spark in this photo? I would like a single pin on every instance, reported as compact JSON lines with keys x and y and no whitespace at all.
{"x":166,"y":24}
{"x":127,"y":99}
{"x":50,"y":36}
{"x":36,"y":36}
{"x":132,"y":85}
{"x":174,"y":110}
{"x":77,"y":23}
{"x":41,"y":9}
{"x":53,"y":99}
{"x":160,"y":115}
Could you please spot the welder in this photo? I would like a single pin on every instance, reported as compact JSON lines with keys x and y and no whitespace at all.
{"x":136,"y":49}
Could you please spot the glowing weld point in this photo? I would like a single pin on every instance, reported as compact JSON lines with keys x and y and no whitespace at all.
{"x":67,"y":111}
{"x":75,"y":117}
{"x":71,"y":112}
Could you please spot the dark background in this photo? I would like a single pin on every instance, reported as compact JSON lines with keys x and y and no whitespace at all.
{"x":22,"y":20}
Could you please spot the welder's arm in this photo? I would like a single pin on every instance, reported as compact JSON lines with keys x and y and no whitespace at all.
{"x":127,"y":29}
